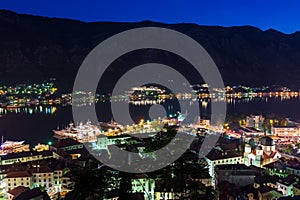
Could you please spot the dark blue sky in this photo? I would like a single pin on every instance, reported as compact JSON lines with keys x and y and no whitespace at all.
{"x":265,"y":14}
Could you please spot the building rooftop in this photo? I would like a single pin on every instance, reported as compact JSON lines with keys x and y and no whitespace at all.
{"x":249,"y":130}
{"x":65,"y":143}
{"x":229,"y":147}
{"x":258,"y":148}
{"x":43,"y":169}
{"x":265,"y":189}
{"x":233,"y":167}
{"x":17,"y":191}
{"x":218,"y":155}
{"x":276,"y":165}
{"x":257,"y":169}
{"x":290,"y":126}
{"x":266,"y":141}
{"x":26,"y":154}
{"x":261,"y":179}
{"x":15,"y":167}
{"x":271,"y":155}
{"x":18,"y":174}
{"x":296,"y":167}
{"x":34,"y":193}
{"x":52,"y":163}
{"x":289,"y":180}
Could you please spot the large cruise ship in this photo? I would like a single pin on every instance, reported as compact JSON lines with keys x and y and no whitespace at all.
{"x":111,"y":125}
{"x":13,"y":147}
{"x":88,"y":133}
{"x":82,"y":133}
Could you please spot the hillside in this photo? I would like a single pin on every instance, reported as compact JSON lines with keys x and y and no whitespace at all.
{"x":35,"y":48}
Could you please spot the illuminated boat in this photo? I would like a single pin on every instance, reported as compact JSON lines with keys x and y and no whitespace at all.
{"x":82,"y":133}
{"x":13,"y":147}
{"x":111,"y":125}
{"x":11,"y":144}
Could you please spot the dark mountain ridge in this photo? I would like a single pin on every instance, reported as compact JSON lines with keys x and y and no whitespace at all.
{"x":37,"y":48}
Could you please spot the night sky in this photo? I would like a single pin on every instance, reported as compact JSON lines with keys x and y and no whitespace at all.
{"x":281,"y":15}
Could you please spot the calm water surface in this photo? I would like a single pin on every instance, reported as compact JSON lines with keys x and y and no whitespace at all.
{"x":36,"y":124}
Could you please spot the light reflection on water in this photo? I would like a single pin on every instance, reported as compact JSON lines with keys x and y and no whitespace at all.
{"x":48,"y":110}
{"x":35,"y":124}
{"x":203,"y":102}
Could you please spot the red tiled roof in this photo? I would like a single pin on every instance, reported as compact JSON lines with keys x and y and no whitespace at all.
{"x":18,"y":174}
{"x":269,"y":156}
{"x":44,"y":169}
{"x":17,"y":190}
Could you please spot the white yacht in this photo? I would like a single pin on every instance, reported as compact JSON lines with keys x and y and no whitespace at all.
{"x":82,"y":133}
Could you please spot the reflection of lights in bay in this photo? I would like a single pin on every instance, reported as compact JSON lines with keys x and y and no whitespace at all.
{"x":146,"y":99}
{"x":49,"y":110}
{"x":147,"y":102}
{"x":232,"y":98}
{"x":204,"y":104}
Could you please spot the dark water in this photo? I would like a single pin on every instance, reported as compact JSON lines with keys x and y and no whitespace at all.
{"x":36,"y":125}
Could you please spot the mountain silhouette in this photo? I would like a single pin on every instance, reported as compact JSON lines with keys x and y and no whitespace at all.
{"x":36,"y":48}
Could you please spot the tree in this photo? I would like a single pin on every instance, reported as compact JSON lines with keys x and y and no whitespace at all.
{"x":125,"y":185}
{"x":91,"y":183}
{"x":252,"y":144}
{"x":194,"y":189}
{"x":289,"y":149}
{"x":210,"y":193}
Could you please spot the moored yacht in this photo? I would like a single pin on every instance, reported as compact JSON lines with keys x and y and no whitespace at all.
{"x":82,"y":133}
